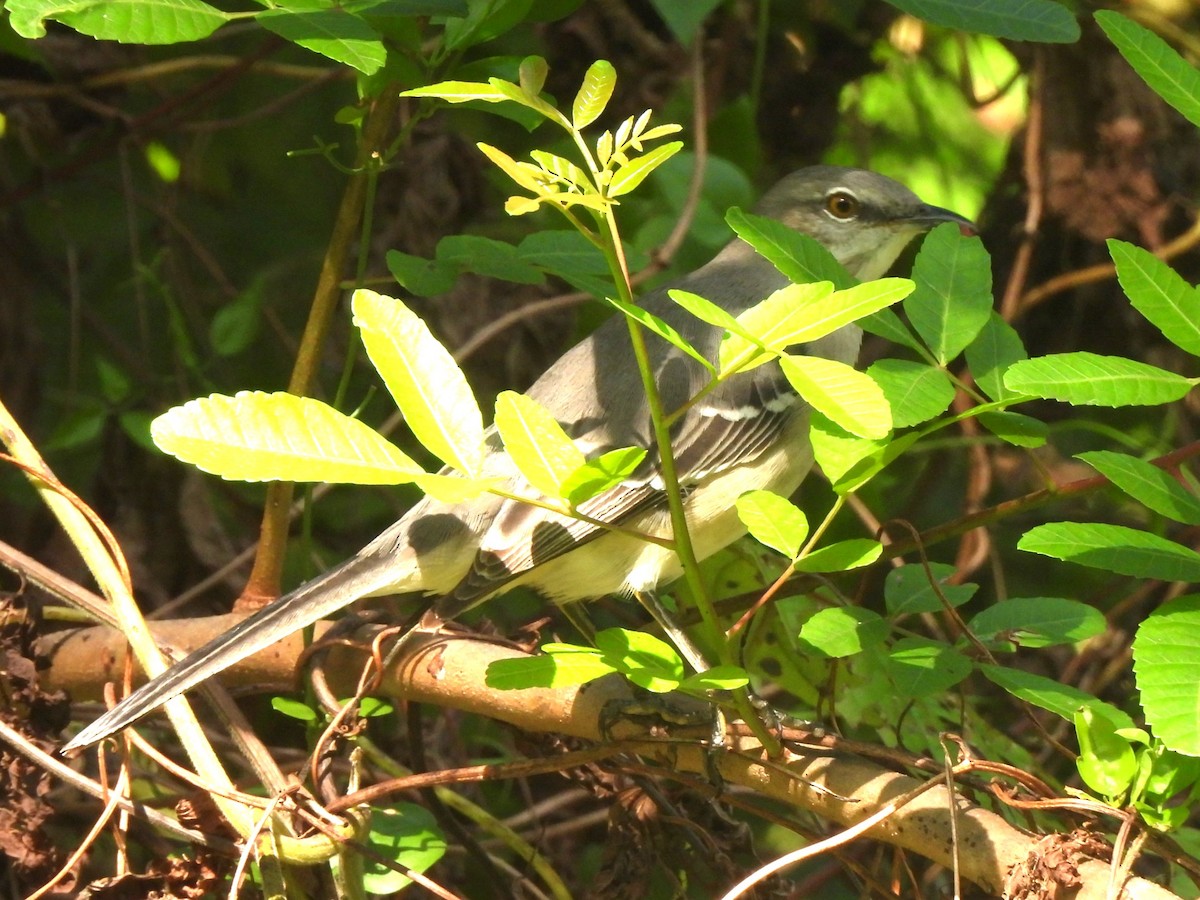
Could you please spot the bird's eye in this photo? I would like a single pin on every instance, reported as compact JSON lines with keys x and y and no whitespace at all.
{"x":842,"y":205}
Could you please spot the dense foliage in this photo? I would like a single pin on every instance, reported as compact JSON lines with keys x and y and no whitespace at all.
{"x":418,"y":204}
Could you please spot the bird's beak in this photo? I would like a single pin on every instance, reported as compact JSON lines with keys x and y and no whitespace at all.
{"x":931,"y":216}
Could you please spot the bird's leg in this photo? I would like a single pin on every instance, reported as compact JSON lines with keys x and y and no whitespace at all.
{"x":680,"y":638}
{"x":577,"y":616}
{"x":690,"y":652}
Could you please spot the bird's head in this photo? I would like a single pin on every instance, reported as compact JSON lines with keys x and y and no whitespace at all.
{"x":865,"y":219}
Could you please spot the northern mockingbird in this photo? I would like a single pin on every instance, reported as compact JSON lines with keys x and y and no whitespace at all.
{"x":750,"y":433}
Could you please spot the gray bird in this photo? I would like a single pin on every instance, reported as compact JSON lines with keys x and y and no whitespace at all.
{"x":751,"y":433}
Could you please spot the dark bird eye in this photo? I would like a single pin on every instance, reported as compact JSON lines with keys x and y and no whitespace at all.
{"x":842,"y":205}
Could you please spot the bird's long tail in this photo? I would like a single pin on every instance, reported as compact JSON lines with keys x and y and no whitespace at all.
{"x":355,"y":578}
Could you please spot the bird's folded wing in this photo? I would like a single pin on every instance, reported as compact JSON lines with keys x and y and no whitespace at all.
{"x":729,"y":427}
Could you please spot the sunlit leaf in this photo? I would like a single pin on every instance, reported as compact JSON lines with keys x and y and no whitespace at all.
{"x":630,"y":175}
{"x":774,"y":521}
{"x":848,"y":397}
{"x":952,"y":299}
{"x":1147,"y":483}
{"x":423,"y":378}
{"x":255,"y":436}
{"x":1171,"y":76}
{"x":801,"y":258}
{"x":1114,"y":548}
{"x":127,"y":21}
{"x":995,"y":348}
{"x":599,"y":474}
{"x":842,"y":556}
{"x":916,"y":392}
{"x":536,"y":442}
{"x":1165,"y":651}
{"x":1093,"y":380}
{"x":334,"y":33}
{"x":661,"y":328}
{"x":1159,"y":293}
{"x":594,"y":93}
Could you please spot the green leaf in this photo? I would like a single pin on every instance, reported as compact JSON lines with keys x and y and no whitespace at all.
{"x":801,"y":258}
{"x":423,"y":277}
{"x":1106,"y":761}
{"x":530,"y":101}
{"x":995,"y":348}
{"x":333,"y":33}
{"x":709,"y":312}
{"x":254,"y":436}
{"x":1159,"y":293}
{"x":774,"y":521}
{"x":653,"y":323}
{"x":421,"y":375}
{"x":684,"y":17}
{"x":644,"y":659}
{"x":1038,"y":621}
{"x":562,"y":170}
{"x":235,"y":325}
{"x":524,"y":174}
{"x":953,"y":296}
{"x":907,"y":590}
{"x":570,"y":256}
{"x":1146,"y":483}
{"x":1017,"y":20}
{"x":293,"y":709}
{"x":1165,"y":654}
{"x":1166,"y":72}
{"x":1015,"y":428}
{"x":630,"y":175}
{"x":847,"y":396}
{"x":564,"y":665}
{"x":838,"y":452}
{"x":1053,"y":696}
{"x":842,"y":631}
{"x":718,"y":678}
{"x":800,"y":313}
{"x":597,"y":475}
{"x":1114,"y":548}
{"x":594,"y":94}
{"x":916,"y":392}
{"x":406,"y":834}
{"x":532,"y":74}
{"x":487,"y":257}
{"x":887,"y":325}
{"x":842,"y":556}
{"x":1091,"y":380}
{"x":923,"y":668}
{"x":459,"y":92}
{"x":768,"y":324}
{"x":127,"y":21}
{"x":536,"y":442}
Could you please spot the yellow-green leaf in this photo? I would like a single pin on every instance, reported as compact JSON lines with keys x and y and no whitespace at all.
{"x":514,"y":93}
{"x":423,"y":378}
{"x":630,"y":175}
{"x":536,"y":442}
{"x":773,"y":520}
{"x":256,"y":436}
{"x":769,"y":324}
{"x":847,"y":396}
{"x":593,"y":94}
{"x":524,"y":174}
{"x":459,"y":92}
{"x":532,"y":74}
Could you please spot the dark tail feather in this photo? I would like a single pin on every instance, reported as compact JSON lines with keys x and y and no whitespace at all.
{"x":355,"y":578}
